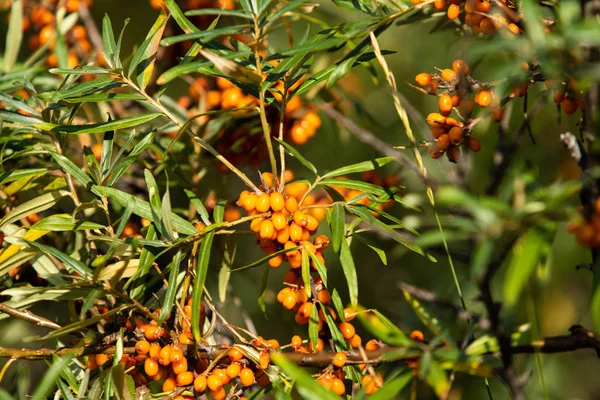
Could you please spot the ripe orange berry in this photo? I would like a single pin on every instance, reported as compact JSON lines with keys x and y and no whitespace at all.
{"x":443,"y":142}
{"x":283,"y":235}
{"x":279,"y":221}
{"x":338,"y":387}
{"x":321,"y":241}
{"x":267,"y":178}
{"x":568,"y":105}
{"x":246,"y":377}
{"x":296,"y":342}
{"x":249,"y":202}
{"x":97,"y":150}
{"x":164,"y":357}
{"x":295,"y":232}
{"x":276,"y":261}
{"x":150,"y":367}
{"x":300,"y":218}
{"x":290,"y":301}
{"x":370,"y":385}
{"x":154,"y":351}
{"x":170,"y":384}
{"x":448,"y":75}
{"x":349,"y":314}
{"x":263,"y":203}
{"x":514,"y":28}
{"x":455,"y":135}
{"x":142,"y":347}
{"x":319,"y":345}
{"x":423,"y":79}
{"x":214,"y":382}
{"x":291,"y":204}
{"x":185,"y":378}
{"x":233,"y":370}
{"x":435,"y":119}
{"x":306,"y":308}
{"x":46,"y":34}
{"x":460,"y":67}
{"x":186,"y":338}
{"x":277,"y":201}
{"x":264,"y":359}
{"x":324,"y":296}
{"x":497,"y":114}
{"x":371,"y":345}
{"x":445,"y":104}
{"x":417,"y":335}
{"x":231,"y":98}
{"x":266,"y":229}
{"x":339,"y":359}
{"x":347,"y":330}
{"x":473,"y":144}
{"x":235,"y":354}
{"x":180,"y":366}
{"x":200,"y":383}
{"x":453,"y":11}
{"x":453,"y":154}
{"x":439,"y":4}
{"x":485,"y":98}
{"x":355,"y":341}
{"x":91,"y":362}
{"x":312,"y":224}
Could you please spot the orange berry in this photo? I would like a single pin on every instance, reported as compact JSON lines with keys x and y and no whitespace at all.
{"x":347,"y":330}
{"x":306,"y":308}
{"x":439,"y":4}
{"x":219,"y":394}
{"x":445,"y":104}
{"x":276,"y":261}
{"x":514,"y":28}
{"x":460,"y":67}
{"x":233,"y":370}
{"x":466,"y":107}
{"x":497,"y":114}
{"x":277,"y":201}
{"x":180,"y":366}
{"x":290,"y":301}
{"x":455,"y":135}
{"x":200,"y":383}
{"x":291,"y":204}
{"x":142,"y":347}
{"x":339,"y":359}
{"x":568,"y":105}
{"x":349,"y":314}
{"x":264,"y":359}
{"x":46,"y":34}
{"x":154,"y":351}
{"x":558,"y":96}
{"x":371,"y":345}
{"x":417,"y":335}
{"x":263,"y":203}
{"x":448,"y":75}
{"x":246,"y":377}
{"x":355,"y":341}
{"x":249,"y":202}
{"x":295,"y":232}
{"x":453,"y":11}
{"x":423,"y":79}
{"x":279,"y":221}
{"x":185,"y":338}
{"x":435,"y":119}
{"x":235,"y":354}
{"x":296,"y":342}
{"x":185,"y":378}
{"x":338,"y":387}
{"x":91,"y":362}
{"x":313,"y":119}
{"x":283,"y":235}
{"x":214,"y":382}
{"x":485,"y":98}
{"x":266,"y":229}
{"x":169,"y":385}
{"x":150,"y":367}
{"x":213,"y":98}
{"x":164,"y":357}
{"x":443,"y":142}
{"x":473,"y":144}
{"x":324,"y":296}
{"x":312,"y":224}
{"x":321,"y":241}
{"x":319,"y":345}
{"x":300,"y":218}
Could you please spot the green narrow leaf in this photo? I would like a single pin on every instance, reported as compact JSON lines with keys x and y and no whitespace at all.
{"x":142,"y":63}
{"x":108,"y":39}
{"x":360,"y":167}
{"x":336,"y":335}
{"x":166,"y":214}
{"x":337,"y":304}
{"x":33,"y":206}
{"x":392,"y":388}
{"x":432,"y":323}
{"x":319,"y":266}
{"x":48,"y":381}
{"x":438,"y":379}
{"x":296,"y":154}
{"x":313,"y":325}
{"x":263,"y":289}
{"x":201,"y":272}
{"x":227,"y":264}
{"x":305,"y":271}
{"x":14,"y":36}
{"x":65,"y":222}
{"x":82,"y":324}
{"x":121,"y":166}
{"x":265,"y":259}
{"x":350,"y":272}
{"x":525,"y":257}
{"x":167,"y":305}
{"x":102,"y":127}
{"x":196,"y":202}
{"x":336,"y":224}
{"x":142,"y":208}
{"x":71,"y":263}
{"x":69,"y":167}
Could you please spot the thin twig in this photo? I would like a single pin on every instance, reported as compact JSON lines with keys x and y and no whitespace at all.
{"x":29,"y":317}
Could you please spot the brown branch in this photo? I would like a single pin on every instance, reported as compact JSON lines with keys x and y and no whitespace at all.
{"x":578,"y":339}
{"x":29,"y":317}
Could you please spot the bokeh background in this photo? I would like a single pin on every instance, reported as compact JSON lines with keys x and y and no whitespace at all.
{"x":555,"y":302}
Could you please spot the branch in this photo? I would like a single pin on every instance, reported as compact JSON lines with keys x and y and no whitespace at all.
{"x":29,"y":317}
{"x":578,"y":339}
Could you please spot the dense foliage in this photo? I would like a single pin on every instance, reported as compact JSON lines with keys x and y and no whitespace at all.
{"x":138,"y":184}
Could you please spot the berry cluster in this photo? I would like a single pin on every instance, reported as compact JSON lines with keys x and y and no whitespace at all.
{"x":587,"y":231}
{"x":566,"y":92}
{"x":39,"y":23}
{"x":453,"y":88}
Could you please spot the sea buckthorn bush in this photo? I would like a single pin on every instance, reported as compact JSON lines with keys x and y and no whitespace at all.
{"x":212,"y":199}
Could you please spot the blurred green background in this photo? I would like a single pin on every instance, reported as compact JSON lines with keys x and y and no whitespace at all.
{"x":556,"y":303}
